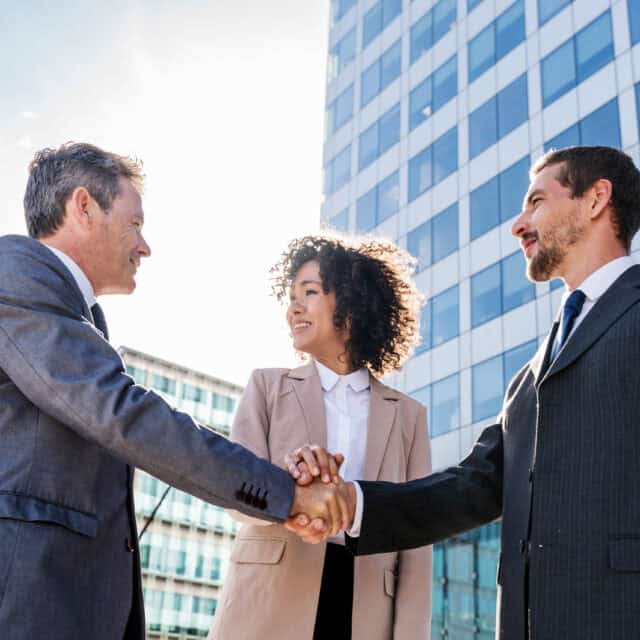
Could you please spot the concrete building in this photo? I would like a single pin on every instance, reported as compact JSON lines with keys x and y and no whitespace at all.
{"x":185,"y":551}
{"x":435,"y":110}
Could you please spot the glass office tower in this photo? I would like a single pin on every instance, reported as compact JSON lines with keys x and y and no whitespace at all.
{"x":435,"y":110}
{"x":185,"y":551}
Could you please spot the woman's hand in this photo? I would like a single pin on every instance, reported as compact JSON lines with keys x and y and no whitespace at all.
{"x":311,"y":461}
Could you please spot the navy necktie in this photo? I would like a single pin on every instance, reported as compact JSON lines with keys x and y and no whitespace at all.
{"x":570,"y":311}
{"x":99,"y":320}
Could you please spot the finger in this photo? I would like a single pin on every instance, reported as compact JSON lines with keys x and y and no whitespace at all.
{"x":305,"y":476}
{"x":309,"y":457}
{"x":322,"y":459}
{"x":335,"y":518}
{"x":291,"y":463}
{"x":344,"y":512}
{"x":318,"y":525}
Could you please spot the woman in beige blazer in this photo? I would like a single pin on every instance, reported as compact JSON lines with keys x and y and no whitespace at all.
{"x":354,"y":310}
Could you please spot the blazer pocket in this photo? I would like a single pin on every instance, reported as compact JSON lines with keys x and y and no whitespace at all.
{"x":258,"y":550}
{"x":390,"y":583}
{"x":624,"y":554}
{"x":19,"y":506}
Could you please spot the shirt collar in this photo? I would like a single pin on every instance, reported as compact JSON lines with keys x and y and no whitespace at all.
{"x":601,"y":279}
{"x":78,"y":275}
{"x":357,"y":380}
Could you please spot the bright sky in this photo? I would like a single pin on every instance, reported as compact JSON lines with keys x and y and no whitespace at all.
{"x":223,"y":101}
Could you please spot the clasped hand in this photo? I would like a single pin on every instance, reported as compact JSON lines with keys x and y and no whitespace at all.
{"x":324,"y":503}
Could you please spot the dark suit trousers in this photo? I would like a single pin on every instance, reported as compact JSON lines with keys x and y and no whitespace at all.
{"x":333,"y":619}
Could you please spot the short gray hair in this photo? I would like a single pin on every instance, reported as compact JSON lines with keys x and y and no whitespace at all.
{"x":55,"y":173}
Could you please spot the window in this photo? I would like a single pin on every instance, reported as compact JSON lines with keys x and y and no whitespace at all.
{"x":378,"y":18}
{"x":191,"y":392}
{"x":439,"y":320}
{"x":445,"y":405}
{"x":633,"y":9}
{"x":433,"y":164}
{"x":498,"y":199}
{"x":500,"y":37}
{"x":498,"y":116}
{"x":432,"y":27}
{"x":380,"y":136}
{"x":338,"y":171}
{"x":517,"y":289}
{"x":548,"y":8}
{"x":577,"y":59}
{"x":435,"y":239}
{"x":339,"y":9}
{"x":602,"y":127}
{"x":377,"y":205}
{"x":340,"y":110}
{"x":499,"y":288}
{"x":433,"y":92}
{"x":472,"y":4}
{"x":163,"y":384}
{"x":342,"y":54}
{"x":340,"y":222}
{"x":381,"y":73}
{"x":138,"y":374}
{"x":490,"y":379}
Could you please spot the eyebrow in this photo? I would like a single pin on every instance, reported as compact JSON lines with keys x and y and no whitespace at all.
{"x":305,"y":282}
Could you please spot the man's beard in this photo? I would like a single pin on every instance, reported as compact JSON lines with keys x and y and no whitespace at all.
{"x":552,"y":250}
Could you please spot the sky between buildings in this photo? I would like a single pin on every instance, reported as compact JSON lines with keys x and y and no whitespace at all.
{"x":223,"y":101}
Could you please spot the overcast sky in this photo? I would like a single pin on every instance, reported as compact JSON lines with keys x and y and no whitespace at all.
{"x":223,"y":100}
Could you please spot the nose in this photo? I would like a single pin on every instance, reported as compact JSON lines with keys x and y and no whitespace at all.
{"x":521,"y":224}
{"x":143,"y":248}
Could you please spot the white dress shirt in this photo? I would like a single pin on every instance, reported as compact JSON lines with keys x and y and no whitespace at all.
{"x":593,"y":288}
{"x":78,"y":275}
{"x":346,"y":408}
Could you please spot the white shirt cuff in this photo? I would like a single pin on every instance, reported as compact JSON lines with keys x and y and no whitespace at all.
{"x":354,"y":532}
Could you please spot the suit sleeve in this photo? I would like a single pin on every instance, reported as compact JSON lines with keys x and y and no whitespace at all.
{"x":421,"y":512}
{"x":63,"y":366}
{"x":413,"y":589}
{"x":250,"y":429}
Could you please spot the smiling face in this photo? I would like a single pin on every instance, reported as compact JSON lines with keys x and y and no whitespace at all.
{"x":117,"y":242}
{"x":310,"y":316}
{"x":550,"y":226}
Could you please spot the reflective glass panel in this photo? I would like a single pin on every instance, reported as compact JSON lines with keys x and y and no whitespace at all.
{"x":389,"y":129}
{"x":419,"y":244}
{"x":419,"y":173}
{"x":487,"y":386}
{"x":548,"y":8}
{"x":594,"y":46}
{"x":342,"y":54}
{"x":445,"y":155}
{"x":390,"y":10}
{"x":633,"y":9}
{"x":472,"y":4}
{"x":514,"y":182}
{"x":510,"y":29}
{"x":483,"y":127}
{"x":568,"y":138}
{"x":340,"y":222}
{"x":388,"y":197}
{"x":444,"y":15}
{"x":343,"y":108}
{"x":425,"y":329}
{"x":483,"y":206}
{"x":558,"y":71}
{"x":445,"y":405}
{"x":372,"y":24}
{"x":370,"y":83}
{"x":513,"y":106}
{"x":339,"y":8}
{"x":516,"y":358}
{"x":516,"y":288}
{"x":486,"y":302}
{"x":368,"y":146}
{"x":421,"y":36}
{"x":420,"y":105}
{"x":366,"y":211}
{"x":444,"y":309}
{"x":341,"y":168}
{"x":445,"y":233}
{"x":482,"y":52}
{"x":602,"y":127}
{"x":445,"y":83}
{"x":391,"y":65}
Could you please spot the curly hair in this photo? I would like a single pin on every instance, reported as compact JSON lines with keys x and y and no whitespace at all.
{"x":376,"y":297}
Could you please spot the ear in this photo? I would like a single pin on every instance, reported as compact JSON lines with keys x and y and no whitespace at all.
{"x":81,"y":208}
{"x":599,"y":197}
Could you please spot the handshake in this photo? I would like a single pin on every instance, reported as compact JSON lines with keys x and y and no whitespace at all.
{"x":323,"y":504}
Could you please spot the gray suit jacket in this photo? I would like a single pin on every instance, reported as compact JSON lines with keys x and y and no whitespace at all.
{"x":562,"y":467}
{"x":71,"y":421}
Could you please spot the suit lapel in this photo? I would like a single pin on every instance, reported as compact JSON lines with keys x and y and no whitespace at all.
{"x":622,"y":294}
{"x":540,"y":361}
{"x":382,"y":412}
{"x":308,"y":390}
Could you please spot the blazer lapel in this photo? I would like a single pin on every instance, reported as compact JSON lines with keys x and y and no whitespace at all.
{"x":308,"y":390}
{"x":540,"y":361}
{"x":622,"y":294}
{"x":382,"y":412}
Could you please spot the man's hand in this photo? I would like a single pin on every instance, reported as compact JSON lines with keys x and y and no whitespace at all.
{"x":311,"y":461}
{"x":322,"y":510}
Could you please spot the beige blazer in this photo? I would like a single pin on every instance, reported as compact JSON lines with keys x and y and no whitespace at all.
{"x":272,"y":587}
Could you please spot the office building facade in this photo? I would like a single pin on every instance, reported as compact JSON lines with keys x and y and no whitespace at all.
{"x":435,"y":110}
{"x":185,"y":551}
